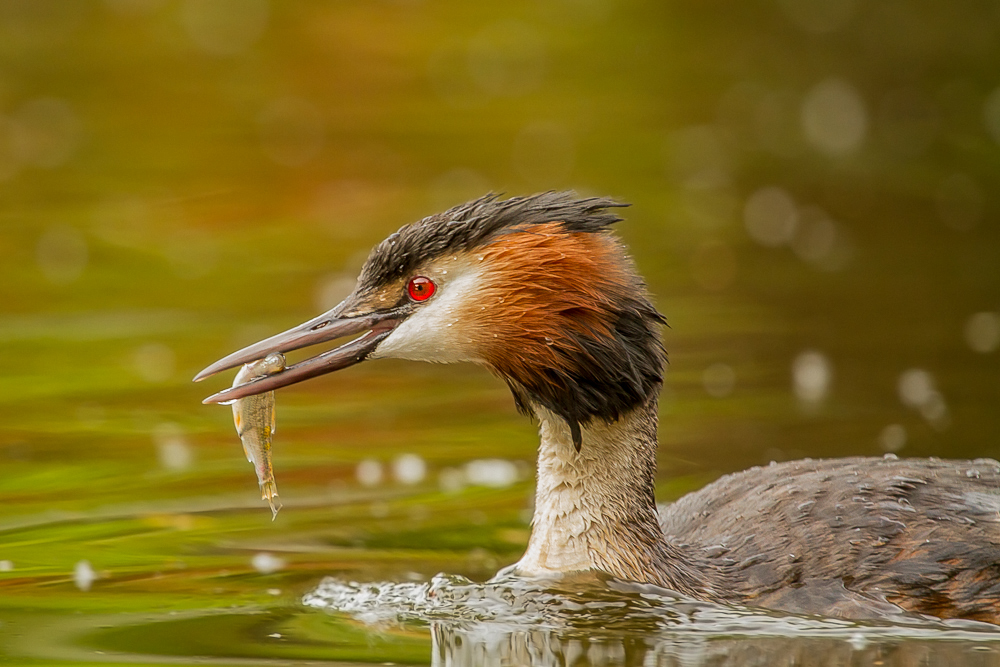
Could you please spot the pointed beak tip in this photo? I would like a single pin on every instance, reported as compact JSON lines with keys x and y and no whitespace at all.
{"x":209,"y":371}
{"x":376,"y":328}
{"x":205,"y":372}
{"x":215,"y":398}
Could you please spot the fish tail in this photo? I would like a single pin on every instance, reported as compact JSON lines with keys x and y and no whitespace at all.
{"x":268,"y":492}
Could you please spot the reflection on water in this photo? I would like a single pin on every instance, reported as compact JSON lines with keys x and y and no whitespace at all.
{"x":593,"y":620}
{"x":547,"y":648}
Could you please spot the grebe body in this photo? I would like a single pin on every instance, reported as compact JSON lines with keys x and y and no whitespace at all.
{"x":538,"y":290}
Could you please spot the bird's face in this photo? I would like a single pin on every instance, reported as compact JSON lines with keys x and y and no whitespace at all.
{"x":558,"y":313}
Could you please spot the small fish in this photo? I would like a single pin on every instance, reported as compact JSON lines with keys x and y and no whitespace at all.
{"x":254,"y":418}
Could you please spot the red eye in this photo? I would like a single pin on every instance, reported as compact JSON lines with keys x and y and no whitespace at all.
{"x":420,"y":288}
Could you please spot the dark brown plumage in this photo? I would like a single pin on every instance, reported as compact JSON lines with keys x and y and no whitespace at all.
{"x":843,"y":537}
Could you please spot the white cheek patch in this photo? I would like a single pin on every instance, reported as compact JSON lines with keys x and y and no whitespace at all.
{"x":435,"y":331}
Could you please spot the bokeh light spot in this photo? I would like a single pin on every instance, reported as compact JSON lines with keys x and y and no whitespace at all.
{"x":770,"y":216}
{"x":915,"y":387}
{"x":173,"y":450}
{"x":84,"y":575}
{"x":266,"y":563}
{"x":917,"y":390}
{"x":496,"y":473}
{"x":812,"y":374}
{"x":409,"y":469}
{"x":834,"y":119}
{"x":719,"y":380}
{"x":369,"y":472}
{"x":982,"y":332}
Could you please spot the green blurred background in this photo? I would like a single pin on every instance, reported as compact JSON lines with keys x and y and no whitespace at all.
{"x":813,"y":188}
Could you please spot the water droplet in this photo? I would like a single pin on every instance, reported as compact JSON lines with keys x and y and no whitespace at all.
{"x":549,"y":341}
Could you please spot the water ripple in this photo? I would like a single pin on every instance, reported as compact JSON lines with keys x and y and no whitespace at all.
{"x":600,"y":606}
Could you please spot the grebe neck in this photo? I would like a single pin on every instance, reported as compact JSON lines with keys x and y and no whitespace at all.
{"x":595,"y":509}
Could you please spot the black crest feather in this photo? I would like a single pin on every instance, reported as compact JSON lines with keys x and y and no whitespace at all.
{"x":478,"y":222}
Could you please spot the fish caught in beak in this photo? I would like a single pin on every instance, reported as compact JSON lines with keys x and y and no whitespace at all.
{"x":326,"y":327}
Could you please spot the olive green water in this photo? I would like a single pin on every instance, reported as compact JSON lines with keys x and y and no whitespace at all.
{"x":178,"y":179}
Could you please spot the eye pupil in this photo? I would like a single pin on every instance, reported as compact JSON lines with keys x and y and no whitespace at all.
{"x":420,"y":288}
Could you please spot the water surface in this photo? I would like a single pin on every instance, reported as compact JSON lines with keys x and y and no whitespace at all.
{"x":813,"y":206}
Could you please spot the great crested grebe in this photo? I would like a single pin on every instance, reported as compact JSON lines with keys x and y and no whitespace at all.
{"x":538,"y":290}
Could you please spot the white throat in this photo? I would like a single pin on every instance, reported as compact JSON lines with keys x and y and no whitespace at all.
{"x":594,"y":508}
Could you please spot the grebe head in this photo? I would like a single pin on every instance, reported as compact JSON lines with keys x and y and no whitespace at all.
{"x":537,"y":289}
